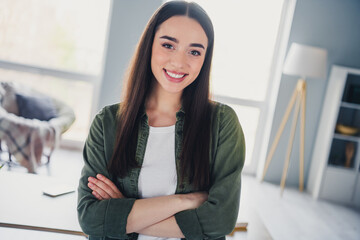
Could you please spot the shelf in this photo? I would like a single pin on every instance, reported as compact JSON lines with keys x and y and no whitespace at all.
{"x":349,"y":118}
{"x":346,"y":137}
{"x":343,"y":153}
{"x":341,"y":169}
{"x":335,"y":167}
{"x":350,"y":105}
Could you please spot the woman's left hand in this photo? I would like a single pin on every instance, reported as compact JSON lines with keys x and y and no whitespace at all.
{"x":102,"y":188}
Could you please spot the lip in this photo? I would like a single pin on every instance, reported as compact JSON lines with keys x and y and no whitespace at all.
{"x":175,"y":80}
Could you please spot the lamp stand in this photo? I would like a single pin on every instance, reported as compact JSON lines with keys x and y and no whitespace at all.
{"x":298,"y":97}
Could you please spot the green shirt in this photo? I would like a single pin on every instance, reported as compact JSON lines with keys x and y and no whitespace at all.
{"x":214,"y":219}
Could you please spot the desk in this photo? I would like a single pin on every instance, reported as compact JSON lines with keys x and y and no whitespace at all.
{"x":249,"y":205}
{"x":16,"y":234}
{"x":23,"y":205}
{"x":256,"y":229}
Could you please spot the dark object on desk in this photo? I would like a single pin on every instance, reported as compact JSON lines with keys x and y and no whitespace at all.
{"x":58,"y":190}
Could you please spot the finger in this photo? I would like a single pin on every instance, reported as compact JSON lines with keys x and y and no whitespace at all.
{"x":100,"y":191}
{"x":109,"y":183}
{"x":103,"y":186}
{"x":97,"y":195}
{"x":111,"y":188}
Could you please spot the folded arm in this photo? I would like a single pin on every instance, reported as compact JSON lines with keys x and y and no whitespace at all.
{"x":167,"y":228}
{"x":218,"y":215}
{"x":109,"y":213}
{"x":117,"y":216}
{"x":151,"y":216}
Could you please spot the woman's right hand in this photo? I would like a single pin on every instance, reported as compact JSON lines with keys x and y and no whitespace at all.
{"x":196,"y":199}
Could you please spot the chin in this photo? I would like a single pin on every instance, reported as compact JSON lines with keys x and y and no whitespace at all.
{"x":174,"y":91}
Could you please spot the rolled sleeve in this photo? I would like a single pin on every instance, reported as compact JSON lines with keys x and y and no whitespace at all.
{"x":106,"y":217}
{"x":189,"y":224}
{"x":217,"y":216}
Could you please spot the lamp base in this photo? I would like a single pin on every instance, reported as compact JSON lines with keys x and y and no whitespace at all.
{"x":298,"y":98}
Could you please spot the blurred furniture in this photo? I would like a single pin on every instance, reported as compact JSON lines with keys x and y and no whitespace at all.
{"x":31,"y":124}
{"x":304,"y":61}
{"x":335,"y":166}
{"x":239,"y":227}
{"x":25,"y":206}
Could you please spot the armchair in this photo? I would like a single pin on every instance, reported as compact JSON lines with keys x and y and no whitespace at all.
{"x":31,"y":122}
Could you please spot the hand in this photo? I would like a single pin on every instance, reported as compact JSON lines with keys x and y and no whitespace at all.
{"x":196,"y":198}
{"x":103,"y":188}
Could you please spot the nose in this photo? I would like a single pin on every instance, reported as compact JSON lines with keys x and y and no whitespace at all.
{"x":178,"y":60}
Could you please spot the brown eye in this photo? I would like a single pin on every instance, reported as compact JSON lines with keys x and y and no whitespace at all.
{"x":166,"y":45}
{"x":195,"y":53}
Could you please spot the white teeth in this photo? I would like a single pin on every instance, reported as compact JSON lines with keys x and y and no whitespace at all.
{"x":175,"y":75}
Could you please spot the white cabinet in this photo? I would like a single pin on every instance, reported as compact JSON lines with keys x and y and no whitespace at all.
{"x":338,"y":185}
{"x":335,"y":164}
{"x":357,"y":193}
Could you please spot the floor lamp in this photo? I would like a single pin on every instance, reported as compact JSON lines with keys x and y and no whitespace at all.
{"x":304,"y":61}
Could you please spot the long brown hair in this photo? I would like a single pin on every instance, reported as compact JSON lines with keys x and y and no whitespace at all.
{"x":194,"y":162}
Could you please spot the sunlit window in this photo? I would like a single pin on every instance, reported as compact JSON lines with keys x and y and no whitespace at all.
{"x":245,"y":37}
{"x":61,"y":34}
{"x":56,"y":47}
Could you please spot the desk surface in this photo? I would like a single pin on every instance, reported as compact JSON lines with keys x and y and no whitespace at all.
{"x":16,"y":234}
{"x":23,"y":204}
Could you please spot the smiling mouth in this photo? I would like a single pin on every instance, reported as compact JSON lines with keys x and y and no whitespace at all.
{"x":174,"y":76}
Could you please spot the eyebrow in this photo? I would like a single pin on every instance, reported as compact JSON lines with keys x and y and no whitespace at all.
{"x":199,"y":45}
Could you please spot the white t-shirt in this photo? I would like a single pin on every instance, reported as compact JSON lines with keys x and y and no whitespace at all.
{"x":158,"y":173}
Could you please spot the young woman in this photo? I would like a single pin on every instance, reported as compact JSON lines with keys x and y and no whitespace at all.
{"x":166,"y":161}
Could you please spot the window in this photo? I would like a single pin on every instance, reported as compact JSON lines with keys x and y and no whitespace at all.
{"x":246,"y":34}
{"x":57,"y":48}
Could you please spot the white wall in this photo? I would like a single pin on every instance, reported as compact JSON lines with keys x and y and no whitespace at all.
{"x":128,"y":20}
{"x":330,"y":24}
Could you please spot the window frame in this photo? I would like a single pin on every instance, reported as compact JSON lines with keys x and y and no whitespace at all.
{"x":267,"y":106}
{"x":68,"y":75}
{"x":65,"y":75}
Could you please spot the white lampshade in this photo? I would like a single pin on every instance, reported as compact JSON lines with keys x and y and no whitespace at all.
{"x":306,"y":61}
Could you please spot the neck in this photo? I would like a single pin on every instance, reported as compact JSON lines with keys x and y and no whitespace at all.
{"x":162,"y":101}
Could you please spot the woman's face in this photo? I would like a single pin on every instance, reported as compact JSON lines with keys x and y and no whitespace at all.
{"x":178,"y":53}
